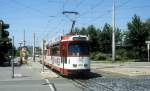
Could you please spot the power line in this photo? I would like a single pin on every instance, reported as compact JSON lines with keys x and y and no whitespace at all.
{"x":107,"y":11}
{"x":136,"y":7}
{"x":98,"y":4}
{"x":123,"y":4}
{"x":54,"y":28}
{"x":94,"y":6}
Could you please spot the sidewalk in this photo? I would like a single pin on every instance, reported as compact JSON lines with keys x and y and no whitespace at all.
{"x":38,"y":67}
{"x":29,"y":77}
{"x":32,"y":71}
{"x":128,"y":68}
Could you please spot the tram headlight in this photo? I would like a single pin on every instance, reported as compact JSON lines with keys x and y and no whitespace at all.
{"x":74,"y":65}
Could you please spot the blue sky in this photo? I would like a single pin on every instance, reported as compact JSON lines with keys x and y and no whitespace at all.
{"x":45,"y":18}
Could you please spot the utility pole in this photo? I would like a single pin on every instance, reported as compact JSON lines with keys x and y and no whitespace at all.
{"x":43,"y":55}
{"x":148,"y":47}
{"x":113,"y":33}
{"x":33,"y":47}
{"x":148,"y":51}
{"x":12,"y":62}
{"x":24,"y":37}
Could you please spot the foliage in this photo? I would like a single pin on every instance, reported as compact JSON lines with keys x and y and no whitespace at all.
{"x":130,"y":44}
{"x":121,"y":54}
{"x":105,"y":38}
{"x":98,"y":56}
{"x":92,"y":32}
{"x":137,"y":35}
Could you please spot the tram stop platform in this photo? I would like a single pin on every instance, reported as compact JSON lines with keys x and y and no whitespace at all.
{"x":46,"y":73}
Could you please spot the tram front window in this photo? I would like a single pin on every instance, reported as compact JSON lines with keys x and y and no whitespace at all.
{"x":78,"y":49}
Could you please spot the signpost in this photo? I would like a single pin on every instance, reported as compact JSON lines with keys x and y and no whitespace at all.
{"x":148,"y":46}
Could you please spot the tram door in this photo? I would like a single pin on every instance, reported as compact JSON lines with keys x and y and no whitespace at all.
{"x":63,"y":49}
{"x":62,"y":61}
{"x":62,"y":54}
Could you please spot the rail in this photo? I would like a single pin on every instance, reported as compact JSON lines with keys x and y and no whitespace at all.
{"x":92,"y":86}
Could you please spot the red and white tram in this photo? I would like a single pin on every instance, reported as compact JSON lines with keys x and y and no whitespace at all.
{"x":69,"y":56}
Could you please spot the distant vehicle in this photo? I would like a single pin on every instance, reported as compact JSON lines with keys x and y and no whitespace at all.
{"x":69,"y":56}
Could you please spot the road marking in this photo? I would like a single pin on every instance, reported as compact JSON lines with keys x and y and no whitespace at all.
{"x":50,"y":85}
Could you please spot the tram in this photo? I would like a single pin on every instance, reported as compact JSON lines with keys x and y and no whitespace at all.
{"x":69,"y":56}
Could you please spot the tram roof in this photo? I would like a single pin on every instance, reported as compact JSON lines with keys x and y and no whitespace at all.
{"x":70,"y":38}
{"x":75,"y":38}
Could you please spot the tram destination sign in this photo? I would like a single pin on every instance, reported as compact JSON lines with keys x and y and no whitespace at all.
{"x":79,"y":38}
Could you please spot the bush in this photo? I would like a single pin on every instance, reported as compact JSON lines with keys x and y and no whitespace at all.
{"x":92,"y":55}
{"x":98,"y":56}
{"x":121,"y":54}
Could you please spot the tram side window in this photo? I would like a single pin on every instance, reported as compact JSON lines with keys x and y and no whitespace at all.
{"x":55,"y":51}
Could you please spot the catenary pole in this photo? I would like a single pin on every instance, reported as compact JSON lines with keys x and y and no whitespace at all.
{"x":12,"y":61}
{"x":24,"y":38}
{"x":113,"y":32}
{"x":33,"y":47}
{"x":43,"y":55}
{"x":148,"y":51}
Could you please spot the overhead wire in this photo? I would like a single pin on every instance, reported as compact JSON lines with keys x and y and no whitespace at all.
{"x":59,"y":23}
{"x":107,"y":11}
{"x":34,"y":9}
{"x":94,"y":6}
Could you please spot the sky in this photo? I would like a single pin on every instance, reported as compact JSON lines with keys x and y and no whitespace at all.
{"x":45,"y":18}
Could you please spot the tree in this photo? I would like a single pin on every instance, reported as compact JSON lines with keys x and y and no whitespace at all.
{"x":84,"y":31}
{"x":76,"y":31}
{"x":137,"y":36}
{"x":147,"y":28}
{"x":105,"y":38}
{"x":92,"y":32}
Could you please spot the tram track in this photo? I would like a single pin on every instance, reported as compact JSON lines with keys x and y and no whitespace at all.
{"x":113,"y":84}
{"x":89,"y":85}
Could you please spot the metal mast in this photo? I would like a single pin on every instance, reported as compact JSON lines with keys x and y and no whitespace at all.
{"x":113,"y":32}
{"x":24,"y":37}
{"x":34,"y":47}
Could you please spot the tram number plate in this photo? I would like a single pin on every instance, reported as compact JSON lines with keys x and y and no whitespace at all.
{"x":80,"y":65}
